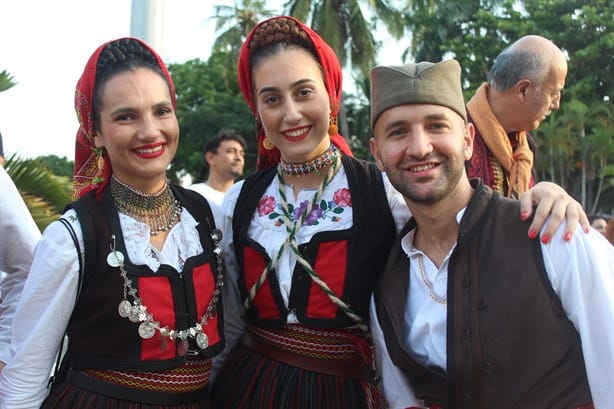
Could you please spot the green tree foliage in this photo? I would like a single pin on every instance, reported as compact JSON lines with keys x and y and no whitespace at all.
{"x":575,"y":143}
{"x":59,"y":166}
{"x":45,"y":194}
{"x":208,"y":101}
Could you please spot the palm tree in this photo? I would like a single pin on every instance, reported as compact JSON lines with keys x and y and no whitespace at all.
{"x":237,"y":21}
{"x":6,"y":81}
{"x":346,"y":29}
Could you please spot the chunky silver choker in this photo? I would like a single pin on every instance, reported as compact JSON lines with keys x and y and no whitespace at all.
{"x":315,"y":165}
{"x":136,"y":311}
{"x":160,"y":210}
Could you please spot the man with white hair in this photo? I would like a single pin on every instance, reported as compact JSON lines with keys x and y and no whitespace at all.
{"x":524,"y":86}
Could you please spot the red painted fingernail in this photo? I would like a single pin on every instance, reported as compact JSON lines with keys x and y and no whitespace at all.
{"x":545,"y":239}
{"x":532,"y":234}
{"x":587,"y":229}
{"x":567,"y":236}
{"x":524,"y":215}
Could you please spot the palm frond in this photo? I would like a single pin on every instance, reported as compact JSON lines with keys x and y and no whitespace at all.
{"x":45,"y":194}
{"x":6,"y":81}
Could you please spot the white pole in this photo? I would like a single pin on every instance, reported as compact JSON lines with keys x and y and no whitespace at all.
{"x":147,"y":22}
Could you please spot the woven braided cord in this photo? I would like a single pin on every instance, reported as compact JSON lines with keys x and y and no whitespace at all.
{"x":292,"y":228}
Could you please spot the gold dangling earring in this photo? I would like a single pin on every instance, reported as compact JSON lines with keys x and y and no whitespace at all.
{"x":267,"y":143}
{"x":99,"y":152}
{"x":333,"y":129}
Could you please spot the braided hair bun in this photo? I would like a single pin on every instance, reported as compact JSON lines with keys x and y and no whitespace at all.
{"x":279,"y":30}
{"x":125,"y":52}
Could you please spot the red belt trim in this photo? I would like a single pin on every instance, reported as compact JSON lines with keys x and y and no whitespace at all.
{"x":352,"y":366}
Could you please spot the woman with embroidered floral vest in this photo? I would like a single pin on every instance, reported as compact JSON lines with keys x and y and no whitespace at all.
{"x":307,"y":237}
{"x":142,"y":320}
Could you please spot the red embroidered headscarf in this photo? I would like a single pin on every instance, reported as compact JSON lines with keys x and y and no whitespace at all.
{"x":332,"y":80}
{"x":92,"y":166}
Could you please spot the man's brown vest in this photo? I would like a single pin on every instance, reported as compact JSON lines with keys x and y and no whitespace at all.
{"x":509,"y":342}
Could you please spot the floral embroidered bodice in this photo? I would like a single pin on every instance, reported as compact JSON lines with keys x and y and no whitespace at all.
{"x":333,"y":212}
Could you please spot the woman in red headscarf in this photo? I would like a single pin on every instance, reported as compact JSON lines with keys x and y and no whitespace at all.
{"x":310,"y":232}
{"x":137,"y":294}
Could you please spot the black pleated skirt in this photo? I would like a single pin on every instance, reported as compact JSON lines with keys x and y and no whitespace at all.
{"x":250,"y":380}
{"x":68,"y":396}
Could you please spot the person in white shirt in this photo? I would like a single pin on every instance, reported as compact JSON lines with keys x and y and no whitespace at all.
{"x":18,"y":236}
{"x":469,"y":312}
{"x":225,"y":160}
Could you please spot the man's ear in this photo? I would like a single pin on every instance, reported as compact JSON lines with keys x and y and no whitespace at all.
{"x":469,"y":138}
{"x":209,"y":157}
{"x":521,"y":88}
{"x":375,"y":153}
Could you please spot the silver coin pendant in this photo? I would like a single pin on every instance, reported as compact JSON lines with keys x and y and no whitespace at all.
{"x":202,"y":340}
{"x":134,"y":314}
{"x":124,"y":308}
{"x":146,"y":330}
{"x":115,"y":258}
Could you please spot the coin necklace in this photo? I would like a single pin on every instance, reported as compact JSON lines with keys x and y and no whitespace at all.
{"x":135,"y":311}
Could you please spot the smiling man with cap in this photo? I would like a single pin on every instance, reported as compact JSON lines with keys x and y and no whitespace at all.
{"x":469,"y":312}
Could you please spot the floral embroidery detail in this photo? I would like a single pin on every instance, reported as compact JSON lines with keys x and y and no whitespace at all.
{"x":326,"y":209}
{"x":343,"y":198}
{"x":266,"y":205}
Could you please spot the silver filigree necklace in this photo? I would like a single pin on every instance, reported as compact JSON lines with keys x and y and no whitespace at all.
{"x":136,"y":311}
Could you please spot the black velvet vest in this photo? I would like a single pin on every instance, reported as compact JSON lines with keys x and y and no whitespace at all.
{"x":99,"y":337}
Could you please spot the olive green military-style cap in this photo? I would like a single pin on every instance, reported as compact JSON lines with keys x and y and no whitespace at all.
{"x":417,"y":83}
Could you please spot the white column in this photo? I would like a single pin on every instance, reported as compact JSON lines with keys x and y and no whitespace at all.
{"x":147,"y":22}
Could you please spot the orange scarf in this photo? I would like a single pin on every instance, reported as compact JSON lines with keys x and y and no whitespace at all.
{"x":517,"y":163}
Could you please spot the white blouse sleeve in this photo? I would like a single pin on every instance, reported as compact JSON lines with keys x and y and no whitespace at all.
{"x":18,"y":236}
{"x":582,"y":275}
{"x":41,"y":317}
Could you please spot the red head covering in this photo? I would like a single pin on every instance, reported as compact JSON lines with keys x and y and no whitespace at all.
{"x":92,"y":167}
{"x":332,"y":80}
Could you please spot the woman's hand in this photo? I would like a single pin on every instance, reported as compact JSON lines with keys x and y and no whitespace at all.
{"x":552,"y":200}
